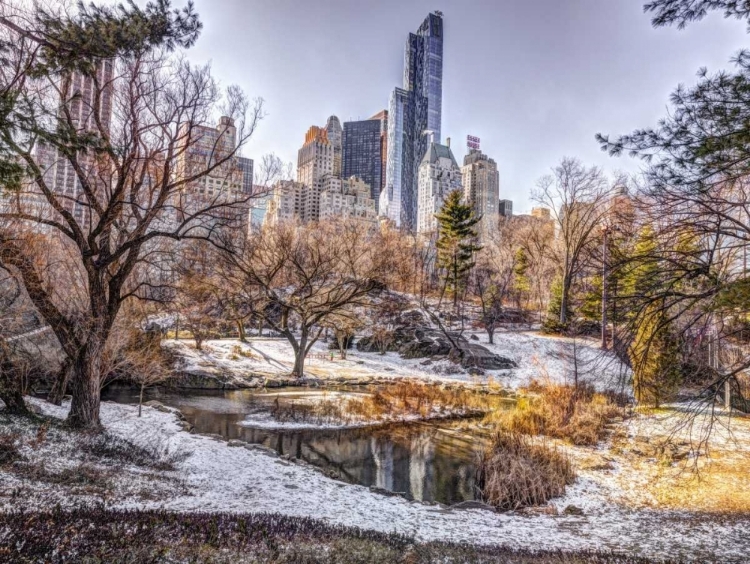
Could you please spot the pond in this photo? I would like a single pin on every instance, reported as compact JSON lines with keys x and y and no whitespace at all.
{"x":427,"y":461}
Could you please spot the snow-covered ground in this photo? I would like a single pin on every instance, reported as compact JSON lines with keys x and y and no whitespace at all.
{"x":538,"y":357}
{"x":217,"y":477}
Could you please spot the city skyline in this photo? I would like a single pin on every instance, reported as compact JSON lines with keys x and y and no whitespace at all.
{"x":535,"y":87}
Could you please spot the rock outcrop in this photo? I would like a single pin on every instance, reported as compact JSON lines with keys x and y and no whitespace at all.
{"x":414,"y":337}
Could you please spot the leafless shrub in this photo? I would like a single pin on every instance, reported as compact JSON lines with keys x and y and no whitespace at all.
{"x":518,"y":472}
{"x":9,"y":452}
{"x":156,"y":456}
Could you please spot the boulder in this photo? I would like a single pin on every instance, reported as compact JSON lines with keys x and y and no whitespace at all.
{"x":477,"y":356}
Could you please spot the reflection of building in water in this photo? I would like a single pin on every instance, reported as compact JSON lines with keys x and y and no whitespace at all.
{"x":421,"y":467}
{"x":382,"y":452}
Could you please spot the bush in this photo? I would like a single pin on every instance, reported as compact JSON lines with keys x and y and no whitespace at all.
{"x":577,"y":414}
{"x":517,"y":472}
{"x":9,"y":452}
{"x":121,"y":450}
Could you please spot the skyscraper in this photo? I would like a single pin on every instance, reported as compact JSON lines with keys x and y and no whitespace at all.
{"x":335,"y":138}
{"x":88,"y":106}
{"x":231,"y":182}
{"x":315,"y":160}
{"x":414,"y":120}
{"x":505,"y":208}
{"x":482,"y":188}
{"x":365,"y":144}
{"x":439,"y":175}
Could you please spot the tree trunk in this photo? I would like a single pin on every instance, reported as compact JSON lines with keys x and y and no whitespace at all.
{"x":260,"y":328}
{"x":300,"y":353}
{"x":491,"y":336}
{"x":140,"y":399}
{"x":57,"y":393}
{"x":241,"y":330}
{"x":10,"y":389}
{"x":564,"y":301}
{"x":84,"y":386}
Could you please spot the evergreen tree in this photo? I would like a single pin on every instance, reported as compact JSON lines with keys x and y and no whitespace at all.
{"x":521,"y":280}
{"x":655,"y":358}
{"x":456,"y":242}
{"x":552,"y":324}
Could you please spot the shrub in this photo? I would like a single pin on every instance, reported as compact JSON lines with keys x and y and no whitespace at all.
{"x":9,"y":452}
{"x":154,"y":456}
{"x":517,"y":472}
{"x":577,"y":414}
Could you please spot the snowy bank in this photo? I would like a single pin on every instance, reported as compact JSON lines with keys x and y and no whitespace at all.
{"x":218,"y":478}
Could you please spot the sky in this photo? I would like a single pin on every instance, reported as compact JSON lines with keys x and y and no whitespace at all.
{"x":534,"y":79}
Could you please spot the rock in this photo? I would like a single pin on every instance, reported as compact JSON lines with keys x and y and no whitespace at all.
{"x":272,"y":383}
{"x":474,"y":338}
{"x":385,"y":492}
{"x":473,"y":505}
{"x":572,"y":510}
{"x":481,"y":357}
{"x":311,"y":382}
{"x":235,"y":443}
{"x":153,"y":403}
{"x":426,"y":362}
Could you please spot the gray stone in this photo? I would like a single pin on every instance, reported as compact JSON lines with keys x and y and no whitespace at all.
{"x":385,"y":492}
{"x":572,"y":510}
{"x":235,"y":443}
{"x":473,"y":505}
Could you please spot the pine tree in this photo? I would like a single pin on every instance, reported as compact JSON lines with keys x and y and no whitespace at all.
{"x":456,"y":242}
{"x":655,"y":358}
{"x":552,"y":323}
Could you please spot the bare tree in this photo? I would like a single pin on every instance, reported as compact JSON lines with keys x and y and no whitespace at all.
{"x":138,"y":149}
{"x":577,"y":198}
{"x":308,"y":273}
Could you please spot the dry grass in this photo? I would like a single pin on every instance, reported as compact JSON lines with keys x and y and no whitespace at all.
{"x":575,"y":414}
{"x":394,"y":402}
{"x":519,"y":472}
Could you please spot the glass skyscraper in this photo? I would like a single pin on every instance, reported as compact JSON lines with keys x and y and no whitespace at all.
{"x":415,"y":116}
{"x":364,"y":151}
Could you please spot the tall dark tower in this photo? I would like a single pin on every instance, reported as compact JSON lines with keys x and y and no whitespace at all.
{"x":414,"y":120}
{"x":365,"y":151}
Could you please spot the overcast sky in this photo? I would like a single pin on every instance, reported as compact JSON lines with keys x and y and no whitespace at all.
{"x":534,"y":79}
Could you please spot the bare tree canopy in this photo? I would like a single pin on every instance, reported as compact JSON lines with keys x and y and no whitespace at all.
{"x":307,"y":274}
{"x":115,"y":139}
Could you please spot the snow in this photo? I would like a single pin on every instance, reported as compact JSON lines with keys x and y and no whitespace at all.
{"x":538,"y":357}
{"x":220,"y":478}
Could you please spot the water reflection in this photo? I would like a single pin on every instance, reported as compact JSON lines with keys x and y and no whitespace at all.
{"x":426,"y":461}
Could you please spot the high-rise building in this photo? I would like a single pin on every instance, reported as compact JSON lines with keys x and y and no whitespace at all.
{"x":481,"y":183}
{"x":335,"y":138}
{"x":541,"y":213}
{"x":231,"y":182}
{"x":365,"y":144}
{"x":505,"y":208}
{"x":439,"y":174}
{"x":414,"y":119}
{"x":349,"y":197}
{"x":88,"y":107}
{"x":315,"y":160}
{"x":284,"y":202}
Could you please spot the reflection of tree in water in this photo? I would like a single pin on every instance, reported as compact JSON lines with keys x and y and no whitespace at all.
{"x":421,"y":467}
{"x":382,"y":452}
